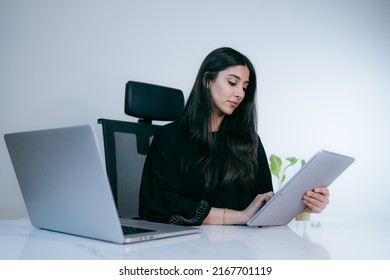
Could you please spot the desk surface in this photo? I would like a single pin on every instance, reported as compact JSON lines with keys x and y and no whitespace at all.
{"x":299,"y":240}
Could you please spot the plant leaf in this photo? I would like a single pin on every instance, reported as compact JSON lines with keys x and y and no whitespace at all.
{"x":283,"y":178}
{"x":292,"y":160}
{"x":275,"y":165}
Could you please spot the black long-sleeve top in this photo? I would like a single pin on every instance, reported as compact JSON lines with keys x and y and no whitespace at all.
{"x":170,"y":195}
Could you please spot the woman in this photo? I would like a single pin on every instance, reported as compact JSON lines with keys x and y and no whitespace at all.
{"x":209,"y":166}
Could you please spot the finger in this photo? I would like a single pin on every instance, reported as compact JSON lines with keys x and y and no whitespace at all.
{"x":263,"y":196}
{"x":317,"y":196}
{"x":268,"y":195}
{"x":258,"y":201}
{"x":312,"y":208}
{"x":316,"y":199}
{"x":322,"y":190}
{"x":314,"y":204}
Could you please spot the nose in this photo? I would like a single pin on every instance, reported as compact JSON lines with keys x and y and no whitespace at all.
{"x":239,"y":93}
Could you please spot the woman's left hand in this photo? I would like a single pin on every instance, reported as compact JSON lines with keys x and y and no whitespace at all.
{"x":316,"y":200}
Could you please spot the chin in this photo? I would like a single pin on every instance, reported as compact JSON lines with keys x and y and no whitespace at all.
{"x":229,"y":112}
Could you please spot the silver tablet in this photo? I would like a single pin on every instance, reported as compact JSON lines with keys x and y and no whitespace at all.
{"x":321,"y":170}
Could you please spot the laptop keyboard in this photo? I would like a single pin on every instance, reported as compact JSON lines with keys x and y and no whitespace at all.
{"x":134,"y":230}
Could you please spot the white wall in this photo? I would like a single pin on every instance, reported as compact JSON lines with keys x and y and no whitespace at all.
{"x":323,"y":69}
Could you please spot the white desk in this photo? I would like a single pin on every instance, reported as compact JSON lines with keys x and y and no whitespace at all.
{"x":298,"y":240}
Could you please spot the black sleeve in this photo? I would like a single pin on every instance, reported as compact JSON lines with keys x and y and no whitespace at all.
{"x":162,"y":196}
{"x":264,"y":179}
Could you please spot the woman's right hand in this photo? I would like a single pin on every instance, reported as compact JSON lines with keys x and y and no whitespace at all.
{"x":218,"y":216}
{"x":255,"y":205}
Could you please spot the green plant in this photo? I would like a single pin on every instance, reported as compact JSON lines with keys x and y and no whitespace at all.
{"x":279,"y":167}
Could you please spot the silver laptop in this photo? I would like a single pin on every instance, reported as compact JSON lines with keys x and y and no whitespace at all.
{"x":65,"y":187}
{"x":321,"y":170}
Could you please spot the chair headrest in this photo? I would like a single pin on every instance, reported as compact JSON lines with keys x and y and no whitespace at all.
{"x":153,"y":102}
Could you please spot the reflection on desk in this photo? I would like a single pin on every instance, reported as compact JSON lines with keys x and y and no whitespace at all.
{"x":298,"y":240}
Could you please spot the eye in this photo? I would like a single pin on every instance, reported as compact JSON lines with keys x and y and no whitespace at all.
{"x":232,"y":83}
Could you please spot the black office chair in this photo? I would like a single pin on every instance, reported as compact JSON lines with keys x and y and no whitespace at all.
{"x":126,"y":143}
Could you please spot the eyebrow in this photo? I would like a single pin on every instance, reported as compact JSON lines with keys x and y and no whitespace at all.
{"x":237,"y":77}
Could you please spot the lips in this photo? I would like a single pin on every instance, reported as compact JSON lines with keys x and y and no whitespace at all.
{"x":233,"y":103}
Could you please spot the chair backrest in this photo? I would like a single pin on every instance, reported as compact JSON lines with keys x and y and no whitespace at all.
{"x":126,"y":143}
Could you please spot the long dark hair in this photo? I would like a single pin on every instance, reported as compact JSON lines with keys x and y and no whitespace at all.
{"x":242,"y":140}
